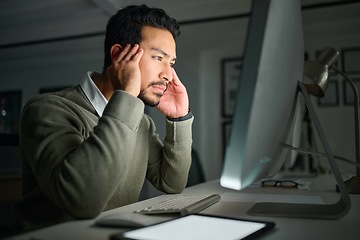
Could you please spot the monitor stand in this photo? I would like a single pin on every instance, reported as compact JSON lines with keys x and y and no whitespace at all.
{"x":322,"y":211}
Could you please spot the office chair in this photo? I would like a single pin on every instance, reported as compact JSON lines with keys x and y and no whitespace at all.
{"x":10,"y":182}
{"x":196,"y":173}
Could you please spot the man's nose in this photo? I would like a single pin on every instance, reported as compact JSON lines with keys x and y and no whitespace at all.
{"x":166,"y":73}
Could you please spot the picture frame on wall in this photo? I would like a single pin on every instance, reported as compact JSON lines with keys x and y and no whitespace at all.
{"x":230,"y":74}
{"x":331,"y":97}
{"x":348,"y":92}
{"x":10,"y":108}
{"x":351,"y":60}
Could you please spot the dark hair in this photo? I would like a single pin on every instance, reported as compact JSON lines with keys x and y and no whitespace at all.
{"x":125,"y":26}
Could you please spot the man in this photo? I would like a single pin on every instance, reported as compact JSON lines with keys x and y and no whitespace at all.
{"x":89,"y":148}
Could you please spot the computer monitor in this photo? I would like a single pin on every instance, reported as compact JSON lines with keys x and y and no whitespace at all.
{"x":265,"y":107}
{"x":273,"y":64}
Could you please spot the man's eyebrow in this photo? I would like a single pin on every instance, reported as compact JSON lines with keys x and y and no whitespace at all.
{"x":163,"y":53}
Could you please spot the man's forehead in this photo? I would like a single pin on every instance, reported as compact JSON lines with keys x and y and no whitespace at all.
{"x":158,"y":38}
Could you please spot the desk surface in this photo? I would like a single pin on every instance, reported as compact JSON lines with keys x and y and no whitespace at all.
{"x":347,"y":227}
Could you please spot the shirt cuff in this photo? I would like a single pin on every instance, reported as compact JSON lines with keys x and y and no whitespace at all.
{"x":179,"y":119}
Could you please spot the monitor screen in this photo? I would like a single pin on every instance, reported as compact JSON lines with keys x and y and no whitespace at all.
{"x":273,"y":65}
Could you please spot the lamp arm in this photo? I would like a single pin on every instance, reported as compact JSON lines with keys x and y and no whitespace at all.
{"x":356,"y":113}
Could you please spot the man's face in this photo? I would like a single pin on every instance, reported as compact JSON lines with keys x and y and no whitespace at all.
{"x":156,"y":63}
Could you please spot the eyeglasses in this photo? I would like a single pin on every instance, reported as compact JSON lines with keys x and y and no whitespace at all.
{"x":279,"y":183}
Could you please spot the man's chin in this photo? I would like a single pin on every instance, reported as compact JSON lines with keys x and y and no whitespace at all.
{"x":150,"y":102}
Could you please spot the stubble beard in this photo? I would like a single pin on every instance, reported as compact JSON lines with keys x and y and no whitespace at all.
{"x":150,"y":101}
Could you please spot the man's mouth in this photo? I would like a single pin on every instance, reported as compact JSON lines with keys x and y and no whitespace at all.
{"x":160,"y":87}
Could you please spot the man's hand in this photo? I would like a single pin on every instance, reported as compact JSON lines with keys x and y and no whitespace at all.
{"x":175,"y":102}
{"x":124,"y":72}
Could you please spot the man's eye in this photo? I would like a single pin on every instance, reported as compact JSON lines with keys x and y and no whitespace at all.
{"x":172,"y":65}
{"x":158,"y":58}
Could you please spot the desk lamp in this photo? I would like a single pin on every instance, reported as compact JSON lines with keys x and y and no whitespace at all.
{"x":316,"y":83}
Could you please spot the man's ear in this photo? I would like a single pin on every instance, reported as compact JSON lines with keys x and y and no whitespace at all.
{"x":115,"y":51}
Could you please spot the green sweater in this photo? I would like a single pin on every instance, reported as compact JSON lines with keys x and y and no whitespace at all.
{"x":77,"y":164}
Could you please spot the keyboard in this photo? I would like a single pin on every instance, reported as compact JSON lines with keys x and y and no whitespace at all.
{"x":183,"y":205}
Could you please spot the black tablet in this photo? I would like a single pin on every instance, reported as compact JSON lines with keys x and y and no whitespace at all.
{"x":198,"y":227}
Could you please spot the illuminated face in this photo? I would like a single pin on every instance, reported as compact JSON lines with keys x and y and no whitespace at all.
{"x":156,"y":63}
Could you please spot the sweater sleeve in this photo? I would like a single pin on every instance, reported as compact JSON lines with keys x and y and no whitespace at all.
{"x":168,"y":168}
{"x":70,"y":161}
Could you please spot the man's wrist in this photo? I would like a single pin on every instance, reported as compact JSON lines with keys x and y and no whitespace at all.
{"x":179,"y":119}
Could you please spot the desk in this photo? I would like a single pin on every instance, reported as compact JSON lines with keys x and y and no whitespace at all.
{"x":345,"y":228}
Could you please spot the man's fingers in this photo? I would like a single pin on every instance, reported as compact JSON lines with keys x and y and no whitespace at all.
{"x":131,"y":53}
{"x":175,"y":80}
{"x":128,"y":53}
{"x":138,"y":54}
{"x":123,"y":53}
{"x":175,"y":76}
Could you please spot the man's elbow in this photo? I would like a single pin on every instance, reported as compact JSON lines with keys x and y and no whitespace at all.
{"x":84,"y":211}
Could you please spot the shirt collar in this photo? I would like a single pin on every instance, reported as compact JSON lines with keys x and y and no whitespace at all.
{"x":93,"y":94}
